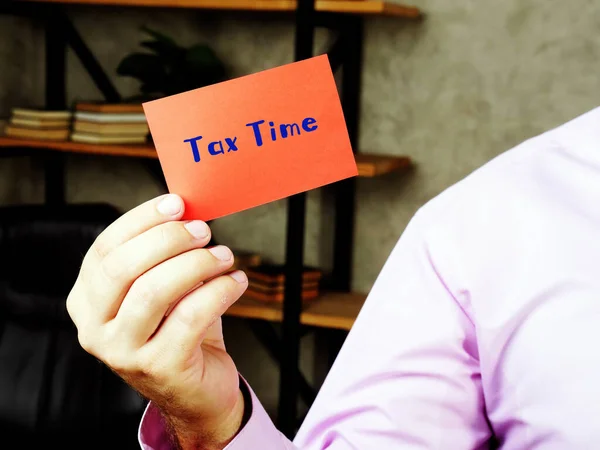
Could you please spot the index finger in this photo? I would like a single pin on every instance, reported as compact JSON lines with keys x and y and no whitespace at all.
{"x":161,"y":209}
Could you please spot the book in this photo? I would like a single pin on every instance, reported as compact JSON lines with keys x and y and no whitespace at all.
{"x":244,"y":260}
{"x":109,"y":108}
{"x":272,"y":273}
{"x":267,"y":283}
{"x":110,"y":118}
{"x":41,"y":114}
{"x":31,"y":133}
{"x":111,"y":128}
{"x":90,"y":138}
{"x":272,"y":289}
{"x":278,"y":297}
{"x":39,"y":123}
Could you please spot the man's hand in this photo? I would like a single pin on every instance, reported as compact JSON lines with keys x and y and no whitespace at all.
{"x":148,"y":303}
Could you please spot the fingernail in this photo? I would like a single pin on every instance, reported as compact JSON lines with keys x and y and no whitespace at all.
{"x":221,"y":252}
{"x":170,"y":205}
{"x":197,"y":228}
{"x":239,"y":276}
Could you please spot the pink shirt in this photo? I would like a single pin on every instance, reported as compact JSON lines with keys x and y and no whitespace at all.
{"x":485,"y":317}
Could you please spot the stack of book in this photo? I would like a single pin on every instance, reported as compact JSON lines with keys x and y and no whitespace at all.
{"x":101,"y":123}
{"x":267,"y":283}
{"x":39,"y":124}
{"x":245,"y":260}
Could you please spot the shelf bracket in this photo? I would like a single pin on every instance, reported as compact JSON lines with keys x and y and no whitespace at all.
{"x":56,"y":98}
{"x":89,"y":61}
{"x":345,"y":191}
{"x":336,"y":53}
{"x":267,"y":336}
{"x":289,"y":382}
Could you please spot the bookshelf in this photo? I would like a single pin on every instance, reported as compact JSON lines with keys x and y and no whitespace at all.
{"x":362,"y":7}
{"x":336,"y":309}
{"x":368,"y":165}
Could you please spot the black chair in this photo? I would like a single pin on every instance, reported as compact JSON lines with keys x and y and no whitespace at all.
{"x":51,"y":391}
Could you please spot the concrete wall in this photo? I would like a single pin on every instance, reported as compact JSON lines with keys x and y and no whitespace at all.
{"x":474,"y":79}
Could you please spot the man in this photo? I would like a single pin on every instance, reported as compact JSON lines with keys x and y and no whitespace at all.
{"x":485,"y":321}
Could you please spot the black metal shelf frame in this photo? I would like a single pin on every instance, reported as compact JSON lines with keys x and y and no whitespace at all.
{"x":344,"y":54}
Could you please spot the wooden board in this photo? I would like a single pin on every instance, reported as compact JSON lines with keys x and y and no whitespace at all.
{"x":331,"y":310}
{"x":138,"y":151}
{"x":368,"y":7}
{"x":368,"y":165}
{"x":374,"y":165}
{"x":334,"y":310}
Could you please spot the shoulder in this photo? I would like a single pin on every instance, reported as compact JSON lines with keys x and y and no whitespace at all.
{"x":513,"y":213}
{"x":513,"y":181}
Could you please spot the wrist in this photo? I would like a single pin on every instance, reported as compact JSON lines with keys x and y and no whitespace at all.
{"x":210,"y":434}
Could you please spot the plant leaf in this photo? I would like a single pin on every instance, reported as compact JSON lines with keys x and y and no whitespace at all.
{"x":159,"y":36}
{"x":204,"y":65}
{"x":164,"y":49}
{"x":139,"y":65}
{"x":147,"y":68}
{"x":201,"y":56}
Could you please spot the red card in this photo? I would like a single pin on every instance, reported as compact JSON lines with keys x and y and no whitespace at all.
{"x":245,"y":142}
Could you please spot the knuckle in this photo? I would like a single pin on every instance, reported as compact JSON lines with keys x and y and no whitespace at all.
{"x":229,"y":286}
{"x":229,"y":293}
{"x":194,"y":310}
{"x":111,"y":348}
{"x":143,"y":292}
{"x":70,"y":307}
{"x":189,"y":312}
{"x":113,"y":270}
{"x":118,"y":360}
{"x":170,"y":234}
{"x":202,"y":261}
{"x":100,"y":248}
{"x":86,"y":342}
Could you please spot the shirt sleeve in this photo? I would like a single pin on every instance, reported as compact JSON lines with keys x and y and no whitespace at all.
{"x":407,"y":376}
{"x":258,"y":433}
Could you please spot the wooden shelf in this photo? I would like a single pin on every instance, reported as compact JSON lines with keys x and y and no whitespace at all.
{"x":375,"y":165}
{"x":139,"y":151}
{"x":368,"y":165}
{"x":367,"y":7}
{"x":331,"y":310}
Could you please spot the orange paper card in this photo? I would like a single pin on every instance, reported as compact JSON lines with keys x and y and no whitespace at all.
{"x":245,"y":142}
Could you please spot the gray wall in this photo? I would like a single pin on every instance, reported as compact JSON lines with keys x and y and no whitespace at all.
{"x":476,"y":78}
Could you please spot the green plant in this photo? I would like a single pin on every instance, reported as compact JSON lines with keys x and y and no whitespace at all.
{"x":170,"y":68}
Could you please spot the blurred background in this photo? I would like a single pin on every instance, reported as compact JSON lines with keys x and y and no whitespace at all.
{"x":433,"y":91}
